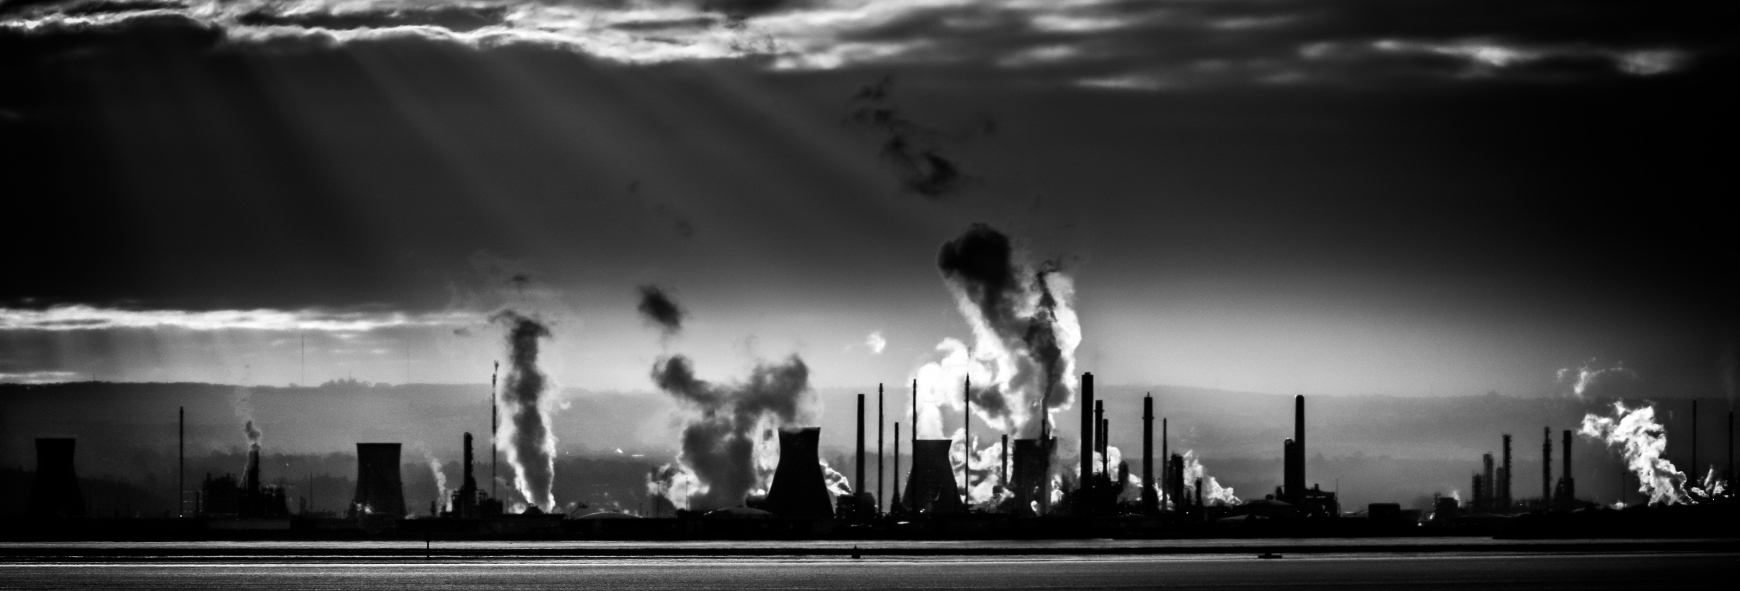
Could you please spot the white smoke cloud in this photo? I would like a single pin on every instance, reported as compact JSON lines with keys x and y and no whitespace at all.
{"x":1642,"y":441}
{"x":1212,"y":491}
{"x":875,"y":342}
{"x":838,"y":484}
{"x":442,"y":499}
{"x":1590,"y":375}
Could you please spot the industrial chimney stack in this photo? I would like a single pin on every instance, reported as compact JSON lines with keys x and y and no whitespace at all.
{"x":1084,"y":491}
{"x":858,"y":482}
{"x":1150,"y":501}
{"x":1547,"y":467}
{"x":1504,"y":488}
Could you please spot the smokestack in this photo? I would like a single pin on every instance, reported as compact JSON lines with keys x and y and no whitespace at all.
{"x":55,"y":492}
{"x":379,"y":489}
{"x":1105,"y":448}
{"x":1150,"y":504}
{"x":466,"y":504}
{"x":1504,"y":483}
{"x":967,"y":439}
{"x":1003,"y":464}
{"x":1547,"y":467}
{"x":1299,"y":442}
{"x":1567,"y":482}
{"x":1491,"y":487}
{"x":930,"y":489}
{"x":494,"y":422}
{"x":1166,"y":482}
{"x":181,"y":462}
{"x":1203,"y":509}
{"x":1087,"y":435}
{"x":859,"y":480}
{"x":799,"y":490}
{"x":896,"y":492}
{"x":879,"y":470}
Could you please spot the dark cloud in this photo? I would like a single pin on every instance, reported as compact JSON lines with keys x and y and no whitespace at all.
{"x":739,"y":9}
{"x":914,"y":149}
{"x":658,"y":308}
{"x":719,"y":443}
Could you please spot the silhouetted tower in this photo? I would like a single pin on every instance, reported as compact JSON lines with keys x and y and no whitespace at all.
{"x":1491,"y":486}
{"x":1150,"y":501}
{"x":799,"y":490}
{"x":879,"y":470}
{"x":1294,"y":477}
{"x":181,"y":462}
{"x":1504,"y":488}
{"x":1085,"y":487}
{"x":1166,"y":477}
{"x":967,"y":441}
{"x":930,"y":489}
{"x":1547,"y":467}
{"x":55,"y":492}
{"x":859,"y":480}
{"x":465,"y":505}
{"x":1569,"y":483}
{"x":895,"y":502}
{"x":379,"y":490}
{"x":1003,"y":463}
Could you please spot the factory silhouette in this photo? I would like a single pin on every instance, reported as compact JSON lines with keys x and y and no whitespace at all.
{"x":1040,"y":495}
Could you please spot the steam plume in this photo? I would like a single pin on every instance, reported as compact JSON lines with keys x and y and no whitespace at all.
{"x":838,"y":484}
{"x":658,"y":308}
{"x":1642,"y":441}
{"x":442,"y":499}
{"x":729,"y":449}
{"x":1589,"y":375}
{"x":1022,"y":362}
{"x":914,"y":149}
{"x":526,"y":437}
{"x":1212,"y":492}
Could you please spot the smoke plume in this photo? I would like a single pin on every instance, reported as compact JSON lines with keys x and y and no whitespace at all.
{"x":838,"y":484}
{"x":1590,"y":375}
{"x":442,"y":500}
{"x":1642,"y":441}
{"x":729,"y":447}
{"x":913,"y":149}
{"x":1212,"y":491}
{"x":658,"y":308}
{"x":526,"y":437}
{"x":1022,"y":362}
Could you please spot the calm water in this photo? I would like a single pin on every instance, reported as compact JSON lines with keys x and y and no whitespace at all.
{"x":1332,"y":571}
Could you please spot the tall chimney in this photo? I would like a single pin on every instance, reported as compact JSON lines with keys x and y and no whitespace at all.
{"x":1547,"y":468}
{"x":967,"y":441}
{"x":859,"y":481}
{"x":493,"y":423}
{"x":1087,"y":436}
{"x":896,"y":500}
{"x":1003,"y":464}
{"x":466,"y":504}
{"x":1166,"y":477}
{"x":1299,"y":440}
{"x":1491,"y":486}
{"x":181,"y":459}
{"x":1570,"y":483}
{"x":55,"y":491}
{"x":1504,"y":483}
{"x":1105,"y":448}
{"x":879,"y":470}
{"x":1150,"y":504}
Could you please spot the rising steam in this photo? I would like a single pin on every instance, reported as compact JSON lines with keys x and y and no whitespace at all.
{"x":729,"y":448}
{"x":1642,"y":441}
{"x":1590,"y":375}
{"x":526,"y":437}
{"x":1212,"y":492}
{"x":442,"y":499}
{"x":1022,"y":362}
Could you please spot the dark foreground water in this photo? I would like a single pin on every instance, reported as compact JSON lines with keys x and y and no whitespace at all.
{"x":1321,"y":571}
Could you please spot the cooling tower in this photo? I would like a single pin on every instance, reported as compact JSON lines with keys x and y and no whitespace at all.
{"x":55,"y":493}
{"x":931,"y":488}
{"x":1032,"y":477}
{"x":378,"y":488}
{"x":799,"y":490}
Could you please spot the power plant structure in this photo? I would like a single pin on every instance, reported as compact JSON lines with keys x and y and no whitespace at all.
{"x":1310,"y":502}
{"x":379,"y":490}
{"x":799,"y":490}
{"x":55,"y":491}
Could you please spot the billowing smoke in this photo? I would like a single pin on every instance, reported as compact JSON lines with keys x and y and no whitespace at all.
{"x":730,"y":447}
{"x":658,"y":308}
{"x":1212,"y":492}
{"x":838,"y":484}
{"x":1642,"y":441}
{"x":985,"y":487}
{"x":526,"y":437}
{"x":442,"y":500}
{"x":1590,"y":375}
{"x":1022,"y":362}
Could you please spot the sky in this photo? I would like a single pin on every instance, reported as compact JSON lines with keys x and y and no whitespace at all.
{"x":1329,"y":197}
